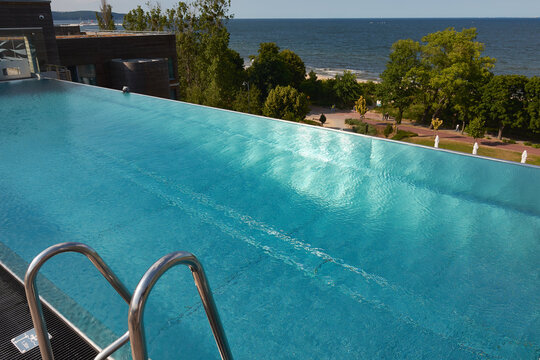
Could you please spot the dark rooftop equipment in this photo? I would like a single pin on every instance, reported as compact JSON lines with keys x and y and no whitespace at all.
{"x":145,"y":76}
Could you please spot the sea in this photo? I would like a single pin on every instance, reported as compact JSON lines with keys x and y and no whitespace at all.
{"x":330,"y":46}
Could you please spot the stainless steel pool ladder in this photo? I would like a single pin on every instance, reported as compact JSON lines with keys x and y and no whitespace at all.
{"x":135,"y":334}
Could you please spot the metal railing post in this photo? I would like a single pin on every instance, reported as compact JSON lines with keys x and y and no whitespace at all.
{"x":32,"y":295}
{"x":138,"y":301}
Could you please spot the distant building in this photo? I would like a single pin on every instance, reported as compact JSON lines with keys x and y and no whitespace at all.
{"x":30,"y":44}
{"x":145,"y":62}
{"x":27,"y":38}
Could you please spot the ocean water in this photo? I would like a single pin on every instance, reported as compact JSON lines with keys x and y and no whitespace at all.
{"x":318,"y":244}
{"x":330,"y":46}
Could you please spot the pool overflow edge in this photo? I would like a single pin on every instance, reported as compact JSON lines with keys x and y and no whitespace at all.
{"x":298,"y":124}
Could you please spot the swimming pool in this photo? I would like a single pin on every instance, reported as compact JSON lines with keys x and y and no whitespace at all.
{"x":317,"y":244}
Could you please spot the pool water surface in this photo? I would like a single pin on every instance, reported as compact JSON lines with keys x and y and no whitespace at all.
{"x":317,"y":244}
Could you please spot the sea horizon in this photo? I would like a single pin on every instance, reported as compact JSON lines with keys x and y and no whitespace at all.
{"x":329,"y":46}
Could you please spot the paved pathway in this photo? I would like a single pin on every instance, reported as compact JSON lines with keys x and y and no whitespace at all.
{"x":336,"y":120}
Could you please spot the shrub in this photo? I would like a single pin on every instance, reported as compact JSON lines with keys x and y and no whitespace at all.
{"x":322,"y":119}
{"x":360,"y":127}
{"x":353,"y":122}
{"x":346,"y":89}
{"x":311,"y":122}
{"x":360,"y":106}
{"x":509,"y":141}
{"x":536,"y":146}
{"x":285,"y":102}
{"x":365,"y":129}
{"x":414,"y":112}
{"x":527,"y":143}
{"x":248,"y":101}
{"x":476,"y":128}
{"x":388,"y":130}
{"x":403,"y":134}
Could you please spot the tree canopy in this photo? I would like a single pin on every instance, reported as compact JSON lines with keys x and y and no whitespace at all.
{"x":532,"y":93}
{"x":452,"y":70}
{"x":445,"y":75}
{"x":503,"y":102}
{"x":210,"y":73}
{"x":347,"y":89}
{"x":272,"y":67}
{"x":285,"y":102}
{"x":398,"y":86}
{"x":104,"y":17}
{"x":476,"y":128}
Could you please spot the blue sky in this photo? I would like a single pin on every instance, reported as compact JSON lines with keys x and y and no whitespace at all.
{"x":343,"y":8}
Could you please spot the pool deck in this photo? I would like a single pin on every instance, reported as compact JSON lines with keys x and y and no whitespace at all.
{"x":336,"y":120}
{"x":15,"y":320}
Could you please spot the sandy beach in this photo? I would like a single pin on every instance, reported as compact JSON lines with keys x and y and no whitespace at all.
{"x":326,"y":77}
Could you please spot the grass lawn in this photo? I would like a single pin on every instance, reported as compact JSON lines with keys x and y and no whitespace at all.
{"x":482,"y":150}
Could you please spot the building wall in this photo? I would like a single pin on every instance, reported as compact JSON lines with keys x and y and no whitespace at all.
{"x":14,"y":69}
{"x":150,"y":77}
{"x":101,"y":49}
{"x":27,"y":15}
{"x":67,"y":30}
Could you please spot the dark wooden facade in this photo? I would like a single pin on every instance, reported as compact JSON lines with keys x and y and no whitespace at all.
{"x":101,"y":48}
{"x":31,"y":14}
{"x":150,"y":77}
{"x":66,"y":30}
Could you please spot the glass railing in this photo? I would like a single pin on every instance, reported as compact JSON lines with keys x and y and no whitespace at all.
{"x":22,"y":52}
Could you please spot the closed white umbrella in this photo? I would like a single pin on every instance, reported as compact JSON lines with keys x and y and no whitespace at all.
{"x":524,"y":157}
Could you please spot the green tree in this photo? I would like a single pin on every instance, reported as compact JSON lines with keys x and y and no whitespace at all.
{"x":476,"y":128}
{"x":451,"y":73}
{"x":248,"y":101}
{"x":210,"y":73}
{"x":272,"y":67}
{"x":295,"y":70}
{"x":398,"y":86}
{"x":153,"y":19}
{"x":267,"y":70}
{"x":285,"y":102}
{"x":320,"y":92}
{"x":504,"y":102}
{"x":532,"y":91}
{"x":347,"y":89}
{"x":104,"y":17}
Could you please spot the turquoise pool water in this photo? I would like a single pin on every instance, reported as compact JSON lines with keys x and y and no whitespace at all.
{"x":317,"y":244}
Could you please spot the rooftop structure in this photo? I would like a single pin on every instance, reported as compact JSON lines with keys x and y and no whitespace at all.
{"x":91,"y":58}
{"x":94,"y":57}
{"x":31,"y":14}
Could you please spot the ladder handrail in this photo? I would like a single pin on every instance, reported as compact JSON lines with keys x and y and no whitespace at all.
{"x":34,"y":302}
{"x":147,"y":282}
{"x":117,"y":344}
